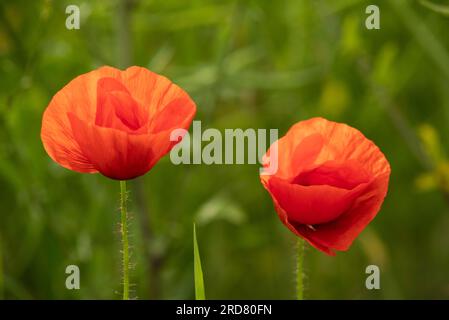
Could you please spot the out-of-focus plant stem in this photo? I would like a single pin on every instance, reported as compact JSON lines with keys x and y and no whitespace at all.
{"x":154,"y":259}
{"x":124,"y":33}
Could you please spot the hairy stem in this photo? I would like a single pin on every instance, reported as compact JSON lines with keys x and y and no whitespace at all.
{"x":299,"y":269}
{"x":125,"y":244}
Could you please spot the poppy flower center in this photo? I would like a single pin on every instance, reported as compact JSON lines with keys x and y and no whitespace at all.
{"x":347,"y":175}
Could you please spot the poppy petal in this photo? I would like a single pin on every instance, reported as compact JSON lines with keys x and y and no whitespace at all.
{"x":78,"y":97}
{"x":340,"y":234}
{"x":177,"y":114}
{"x":100,"y":121}
{"x":346,"y":175}
{"x":311,"y":205}
{"x":114,"y":153}
{"x":60,"y":145}
{"x":117,"y":109}
{"x":330,"y":184}
{"x":152,"y":91}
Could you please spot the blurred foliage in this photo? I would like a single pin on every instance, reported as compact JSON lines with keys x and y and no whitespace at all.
{"x":247,"y":63}
{"x":443,"y":9}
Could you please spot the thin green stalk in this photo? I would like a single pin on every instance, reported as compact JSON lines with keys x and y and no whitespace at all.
{"x":125,"y":244}
{"x":299,"y":269}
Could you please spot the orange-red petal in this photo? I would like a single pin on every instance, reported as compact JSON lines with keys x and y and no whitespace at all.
{"x":100,"y":121}
{"x":312,"y":205}
{"x":330,"y":184}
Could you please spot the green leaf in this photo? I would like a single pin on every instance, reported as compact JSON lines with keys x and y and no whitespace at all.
{"x":198,"y":271}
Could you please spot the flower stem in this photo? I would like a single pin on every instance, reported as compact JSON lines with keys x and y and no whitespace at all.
{"x":125,"y":244}
{"x":299,"y":269}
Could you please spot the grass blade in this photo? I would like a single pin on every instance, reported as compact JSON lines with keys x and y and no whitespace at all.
{"x":198,"y":271}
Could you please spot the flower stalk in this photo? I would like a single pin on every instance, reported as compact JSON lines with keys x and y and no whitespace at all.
{"x":125,"y":243}
{"x":299,"y":269}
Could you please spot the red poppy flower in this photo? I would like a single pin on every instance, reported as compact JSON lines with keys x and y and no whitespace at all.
{"x":330,"y":183}
{"x":115,"y":122}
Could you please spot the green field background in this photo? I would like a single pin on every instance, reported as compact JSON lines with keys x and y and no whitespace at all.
{"x":247,"y":64}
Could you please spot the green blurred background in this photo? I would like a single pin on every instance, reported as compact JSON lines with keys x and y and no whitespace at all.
{"x":247,"y":64}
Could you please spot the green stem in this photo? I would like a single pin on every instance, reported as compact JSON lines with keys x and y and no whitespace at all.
{"x":124,"y":232}
{"x":299,"y":269}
